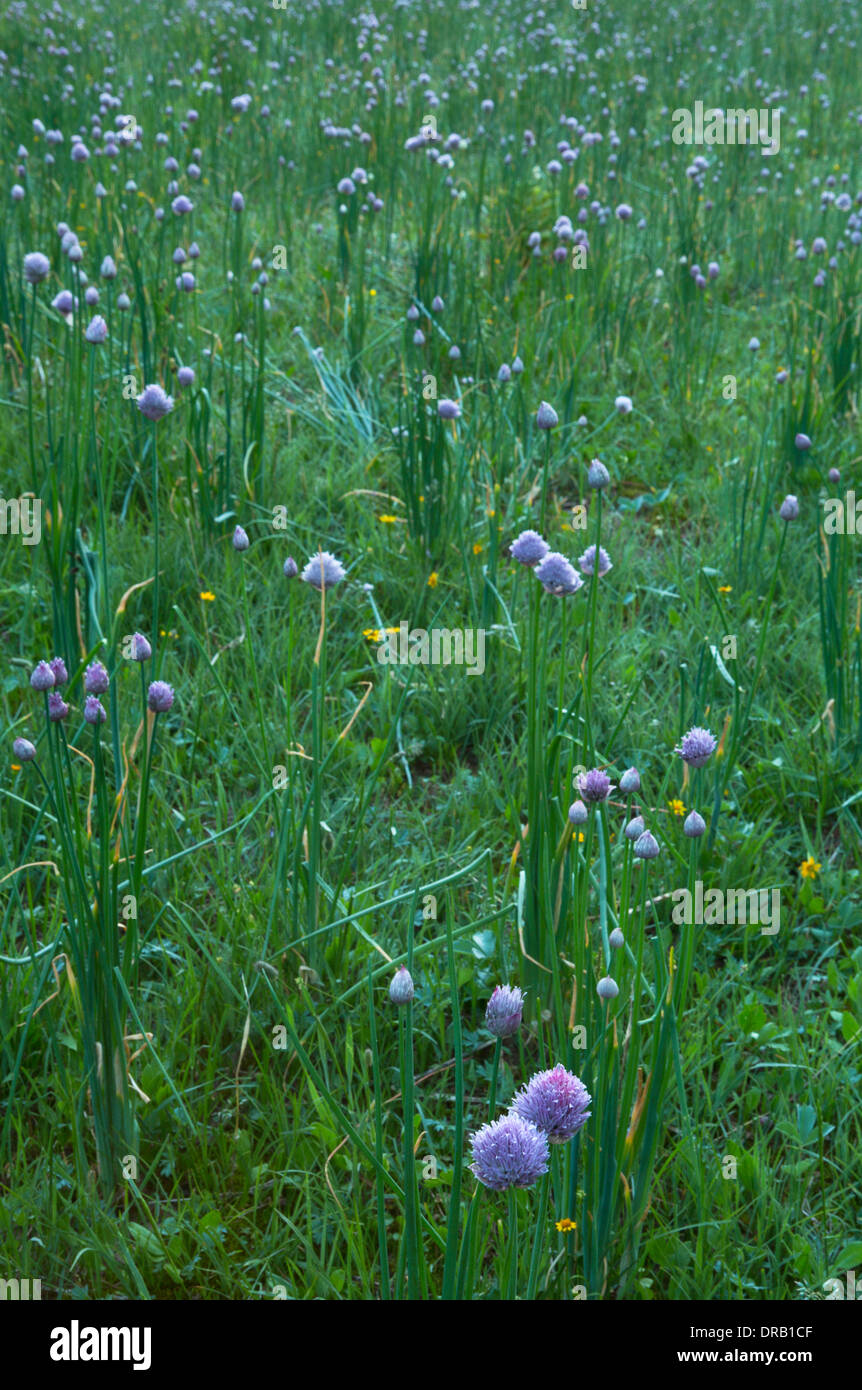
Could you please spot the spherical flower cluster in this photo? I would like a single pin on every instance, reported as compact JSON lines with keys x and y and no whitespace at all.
{"x":595,"y":786}
{"x":509,"y":1152}
{"x":36,"y":267}
{"x":504,"y":1011}
{"x":96,"y":679}
{"x":529,"y":548}
{"x":154,"y":403}
{"x":697,"y":746}
{"x":160,"y":697}
{"x":557,"y":575}
{"x":587,"y":561}
{"x":556,"y":1102}
{"x":789,"y":509}
{"x":323,"y":571}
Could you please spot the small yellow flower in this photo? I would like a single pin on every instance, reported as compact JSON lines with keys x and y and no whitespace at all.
{"x":809,"y":868}
{"x":16,"y":767}
{"x":207,"y":596}
{"x":477,"y":548}
{"x":566,"y":1225}
{"x":433,"y":580}
{"x":578,"y":835}
{"x":372,"y":633}
{"x":725,"y":588}
{"x":676,"y":806}
{"x":388,"y":520}
{"x":372,"y":294}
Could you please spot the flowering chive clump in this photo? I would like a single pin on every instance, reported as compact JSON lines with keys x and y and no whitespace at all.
{"x":509,"y":1152}
{"x":556,"y":1102}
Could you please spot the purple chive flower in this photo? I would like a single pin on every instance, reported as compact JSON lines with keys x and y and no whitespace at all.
{"x":635,"y":828}
{"x":607,"y":988}
{"x":237,"y":202}
{"x":517,"y":366}
{"x":290,"y":568}
{"x":108,"y":269}
{"x":630,"y":781}
{"x":587,"y":561}
{"x":578,"y":813}
{"x":181,"y":205}
{"x":624,"y":212}
{"x":697,"y":746}
{"x":694,"y":825}
{"x":43,"y":677}
{"x":141,"y":649}
{"x":529,"y":548}
{"x":616,"y":940}
{"x":509,"y":1152}
{"x":240,"y":539}
{"x":185,"y":376}
{"x":323,"y":571}
{"x":160,"y":697}
{"x":782,"y":375}
{"x":96,"y":680}
{"x":789,"y":509}
{"x":557,"y":576}
{"x":36,"y":267}
{"x":595,"y":786}
{"x":834,"y":475}
{"x":753,"y":344}
{"x":63,"y":302}
{"x":418,"y":340}
{"x":448,"y":410}
{"x":505,"y":373}
{"x":546,"y":416}
{"x":17,"y":193}
{"x":155,"y":403}
{"x":346,"y":187}
{"x":58,"y":666}
{"x":556,"y":1102}
{"x":57,"y":707}
{"x":802,"y":441}
{"x":94,"y":710}
{"x":401,"y":986}
{"x":96,"y":330}
{"x":437,"y":304}
{"x":504,"y":1010}
{"x":598,"y":476}
{"x":623,"y":405}
{"x":24,"y":750}
{"x":647,"y":846}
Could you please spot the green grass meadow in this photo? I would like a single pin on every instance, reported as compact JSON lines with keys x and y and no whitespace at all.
{"x":206,"y":1091}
